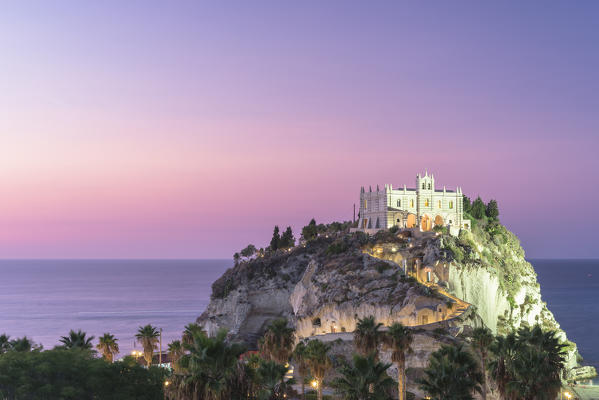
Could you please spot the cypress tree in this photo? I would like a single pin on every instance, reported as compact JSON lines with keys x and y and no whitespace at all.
{"x":478,"y":208}
{"x":276,"y":239}
{"x":492,"y":210}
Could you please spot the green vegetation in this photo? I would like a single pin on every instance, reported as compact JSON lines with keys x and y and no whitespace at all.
{"x":148,"y":337}
{"x":277,"y":342}
{"x":399,"y":340}
{"x":368,"y":336}
{"x":528,"y":364}
{"x":482,"y":338}
{"x":452,"y":373}
{"x":75,"y":374}
{"x":276,"y":239}
{"x":108,"y":346}
{"x":365,"y":378}
{"x":309,"y":231}
{"x":77,"y":340}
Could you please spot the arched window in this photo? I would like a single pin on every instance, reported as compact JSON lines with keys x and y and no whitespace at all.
{"x":429,"y":186}
{"x":411,"y":203}
{"x":439,"y":203}
{"x":423,"y":185}
{"x":365,"y":204}
{"x":398,"y":203}
{"x":426,"y":203}
{"x":451,"y":204}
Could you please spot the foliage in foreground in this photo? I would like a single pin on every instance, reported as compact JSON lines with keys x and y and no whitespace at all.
{"x":452,"y":373}
{"x":364,"y":379}
{"x":75,"y":374}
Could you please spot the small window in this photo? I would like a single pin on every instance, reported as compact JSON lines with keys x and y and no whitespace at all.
{"x":397,"y":219}
{"x":398,"y":203}
{"x":439,"y":203}
{"x":426,"y":203}
{"x":411,"y":203}
{"x":429,"y":186}
{"x":365,"y":204}
{"x":451,"y":204}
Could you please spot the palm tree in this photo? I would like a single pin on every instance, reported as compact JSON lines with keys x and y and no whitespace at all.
{"x":189,"y":332}
{"x":528,"y":364}
{"x":504,"y":350}
{"x":299,"y":357}
{"x":4,"y":343}
{"x":318,"y":362}
{"x":277,"y":342}
{"x":367,"y":336}
{"x":148,"y":336}
{"x":108,"y":346}
{"x":23,"y":344}
{"x":271,"y":380}
{"x":175,"y":352}
{"x":399,"y":339}
{"x":210,"y":365}
{"x":365,"y":373}
{"x":77,"y":340}
{"x":452,"y":373}
{"x":482,"y":338}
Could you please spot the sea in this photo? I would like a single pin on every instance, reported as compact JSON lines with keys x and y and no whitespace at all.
{"x":44,"y":299}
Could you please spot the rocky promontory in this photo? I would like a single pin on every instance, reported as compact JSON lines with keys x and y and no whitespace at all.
{"x":443,"y":285}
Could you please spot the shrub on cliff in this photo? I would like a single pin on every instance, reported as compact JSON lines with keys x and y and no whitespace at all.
{"x":337,"y":247}
{"x":309,"y":231}
{"x":492,"y":210}
{"x":287,"y":239}
{"x":478,"y":209}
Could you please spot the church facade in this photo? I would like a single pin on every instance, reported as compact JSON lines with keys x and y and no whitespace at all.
{"x":423,"y":207}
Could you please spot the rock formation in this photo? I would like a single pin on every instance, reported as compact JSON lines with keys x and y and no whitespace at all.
{"x":439,"y":283}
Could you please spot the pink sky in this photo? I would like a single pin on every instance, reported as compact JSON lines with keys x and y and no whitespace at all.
{"x":189,"y":132}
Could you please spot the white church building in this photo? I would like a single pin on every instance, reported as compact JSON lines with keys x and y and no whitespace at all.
{"x":423,"y":206}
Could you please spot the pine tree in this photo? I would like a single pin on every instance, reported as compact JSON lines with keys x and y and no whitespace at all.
{"x":478,"y":208}
{"x":467,"y":204}
{"x":492,"y":210}
{"x":276,"y":239}
{"x":309,"y":231}
{"x":287,"y":239}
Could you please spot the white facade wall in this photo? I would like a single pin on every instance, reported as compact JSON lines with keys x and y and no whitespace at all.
{"x":425,"y":206}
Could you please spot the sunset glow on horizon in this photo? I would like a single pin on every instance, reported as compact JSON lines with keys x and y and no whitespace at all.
{"x":152,"y":131}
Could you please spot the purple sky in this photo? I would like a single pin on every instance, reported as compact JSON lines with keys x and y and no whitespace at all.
{"x":145,"y":129}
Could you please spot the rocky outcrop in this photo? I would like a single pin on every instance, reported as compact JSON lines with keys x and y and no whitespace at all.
{"x":430,"y":280}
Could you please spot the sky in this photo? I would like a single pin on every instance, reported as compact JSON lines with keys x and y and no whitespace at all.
{"x":151,"y":129}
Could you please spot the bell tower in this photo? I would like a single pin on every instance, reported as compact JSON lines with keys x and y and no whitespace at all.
{"x":425,"y":183}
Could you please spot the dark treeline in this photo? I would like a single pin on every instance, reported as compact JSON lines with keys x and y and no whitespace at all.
{"x":527,"y":364}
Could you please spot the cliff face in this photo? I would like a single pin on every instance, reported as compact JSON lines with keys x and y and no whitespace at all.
{"x":427,"y":280}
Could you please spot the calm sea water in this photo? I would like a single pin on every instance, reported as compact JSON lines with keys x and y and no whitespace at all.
{"x":571,"y":290}
{"x":44,"y":299}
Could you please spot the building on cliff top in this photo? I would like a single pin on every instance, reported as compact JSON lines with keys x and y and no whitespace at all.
{"x":423,"y":207}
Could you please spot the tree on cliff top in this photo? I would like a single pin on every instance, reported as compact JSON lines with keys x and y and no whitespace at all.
{"x":310,"y":231}
{"x":467,"y":205}
{"x":479,"y":209}
{"x":249,"y":251}
{"x":492,"y":210}
{"x":287,"y":239}
{"x":276,"y":239}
